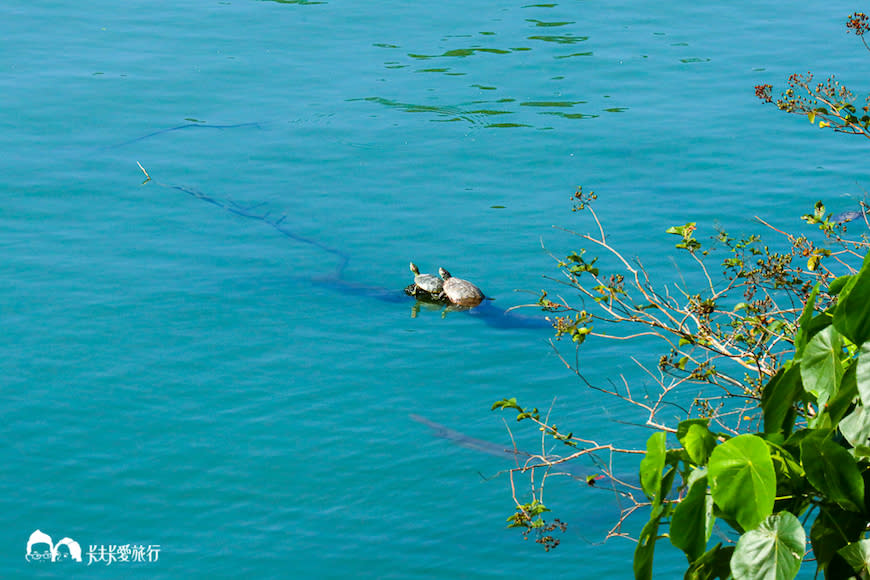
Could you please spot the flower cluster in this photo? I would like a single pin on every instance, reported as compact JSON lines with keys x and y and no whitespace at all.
{"x":763,"y":92}
{"x":858,"y":23}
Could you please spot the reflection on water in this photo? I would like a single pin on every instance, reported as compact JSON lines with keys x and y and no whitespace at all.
{"x":296,"y":1}
{"x":560,"y":39}
{"x":551,"y":103}
{"x":569,"y":115}
{"x":482,"y":56}
{"x":573,"y":54}
{"x":445,"y":113}
{"x":474,"y":114}
{"x":547,"y":24}
{"x":460,"y":52}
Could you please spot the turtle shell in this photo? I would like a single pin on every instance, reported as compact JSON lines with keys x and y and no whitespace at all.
{"x":426,"y":282}
{"x":461,"y":291}
{"x":429,"y":283}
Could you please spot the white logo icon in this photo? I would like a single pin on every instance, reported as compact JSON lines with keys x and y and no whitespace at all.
{"x":74,"y":551}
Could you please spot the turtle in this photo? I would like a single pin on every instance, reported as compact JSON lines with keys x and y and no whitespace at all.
{"x":460,"y":291}
{"x":426,"y":283}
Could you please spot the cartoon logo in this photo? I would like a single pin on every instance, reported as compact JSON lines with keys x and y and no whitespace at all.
{"x":73,"y":550}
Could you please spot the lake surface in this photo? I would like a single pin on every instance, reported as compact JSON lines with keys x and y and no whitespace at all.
{"x":178,"y":375}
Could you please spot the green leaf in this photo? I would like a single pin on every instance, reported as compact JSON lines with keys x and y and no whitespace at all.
{"x":791,"y":481}
{"x":506,"y":404}
{"x":801,"y":336}
{"x":792,"y":444}
{"x":772,"y":551}
{"x":855,"y":426}
{"x":842,"y":402}
{"x":837,"y":285}
{"x":857,"y":554}
{"x":681,"y":230}
{"x":852,"y":316}
{"x":833,"y":529}
{"x":696,"y":439}
{"x":778,"y":398}
{"x":863,"y":373}
{"x":688,"y":243}
{"x":821,"y":369}
{"x":715,"y":563}
{"x":651,"y":467}
{"x":742,"y":480}
{"x":646,"y":544}
{"x":667,"y":482}
{"x":808,"y":330}
{"x":691,"y":522}
{"x":832,"y":470}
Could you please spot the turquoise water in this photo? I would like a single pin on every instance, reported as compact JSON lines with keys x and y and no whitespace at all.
{"x":180,"y":376}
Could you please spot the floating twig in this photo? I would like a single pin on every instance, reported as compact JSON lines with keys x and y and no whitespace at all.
{"x":148,"y":177}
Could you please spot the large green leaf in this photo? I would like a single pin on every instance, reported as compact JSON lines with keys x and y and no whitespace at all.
{"x":857,"y":555}
{"x":832,"y":470}
{"x":791,"y":481}
{"x":696,"y":439}
{"x":863,"y":373}
{"x":742,"y":479}
{"x":773,"y":551}
{"x":852,"y":315}
{"x":821,"y":369}
{"x":668,"y":481}
{"x":691,"y":522}
{"x":838,"y":284}
{"x":841,"y":403}
{"x":651,"y":467}
{"x":715,"y":563}
{"x":834,"y":528}
{"x":778,"y":398}
{"x":793,"y":443}
{"x":855,"y":426}
{"x":646,"y":545}
{"x":812,"y":327}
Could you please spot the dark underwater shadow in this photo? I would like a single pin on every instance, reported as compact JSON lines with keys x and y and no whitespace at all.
{"x":581,"y":471}
{"x":462,"y":440}
{"x":486,"y":312}
{"x":185,"y":126}
{"x":589,"y":474}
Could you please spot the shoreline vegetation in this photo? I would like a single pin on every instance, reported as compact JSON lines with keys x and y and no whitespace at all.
{"x":774,"y":450}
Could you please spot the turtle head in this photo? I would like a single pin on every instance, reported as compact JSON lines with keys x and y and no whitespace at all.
{"x":443,"y":273}
{"x":414,"y":269}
